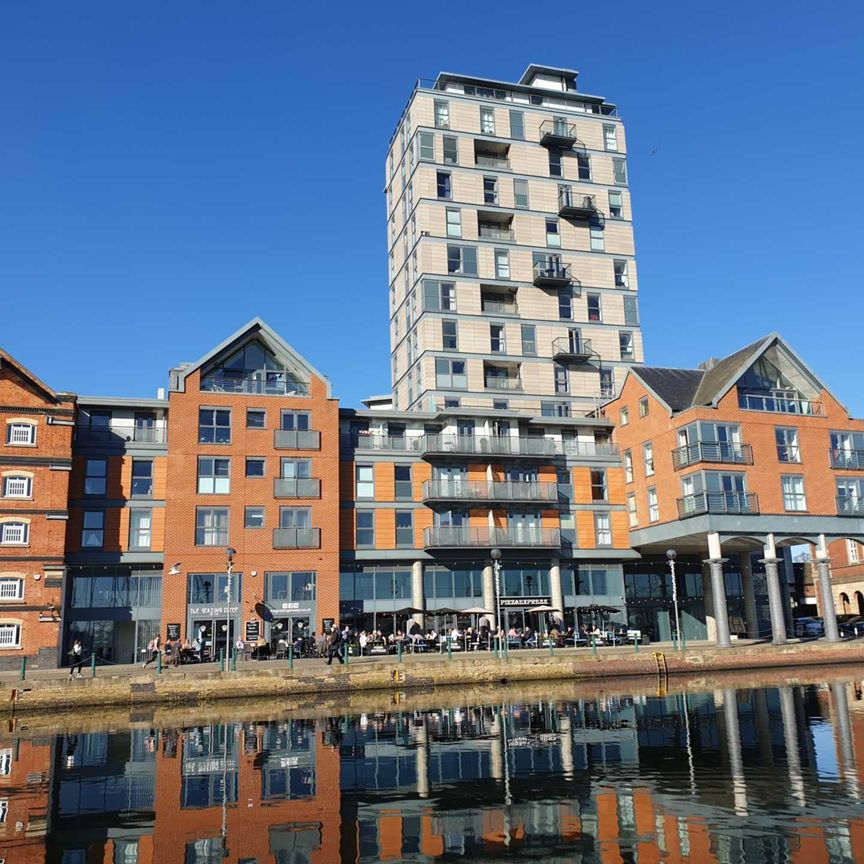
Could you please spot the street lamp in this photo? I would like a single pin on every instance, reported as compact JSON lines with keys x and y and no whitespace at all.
{"x":229,"y":566}
{"x":671,"y":555}
{"x":496,"y":567}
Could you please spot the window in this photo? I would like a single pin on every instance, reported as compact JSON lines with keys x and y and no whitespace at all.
{"x":565,"y":304}
{"x":142,"y":478}
{"x":14,"y":533}
{"x":517,"y":125}
{"x":404,"y":527}
{"x":648,"y":457}
{"x":599,"y":486}
{"x":10,"y":637}
{"x":619,"y":171}
{"x":529,"y":339}
{"x":631,"y":311}
{"x":11,"y":588}
{"x":140,"y":529}
{"x":556,"y":168}
{"x":625,"y":343}
{"x":616,"y":204}
{"x":594,"y":311}
{"x":462,"y":259}
{"x":487,"y":121}
{"x":214,"y":426}
{"x":500,"y":405}
{"x":584,"y":167}
{"x":502,"y":264}
{"x":449,"y":338}
{"x":628,"y":466}
{"x":255,"y":466}
{"x":787,"y":444}
{"x":520,"y":193}
{"x":295,"y":517}
{"x":793,"y":493}
{"x":610,"y":137}
{"x":18,"y":434}
{"x":623,"y":416}
{"x":93,"y":531}
{"x":211,"y":526}
{"x":426,"y":145}
{"x":256,"y":418}
{"x":444,"y":185}
{"x":365,"y":528}
{"x":364,"y":476}
{"x":17,"y":486}
{"x":442,"y":114}
{"x":632,"y":517}
{"x":853,"y":554}
{"x":402,"y":479}
{"x":643,"y":406}
{"x":562,"y":385}
{"x":439,"y":296}
{"x":620,"y":268}
{"x":553,"y":233}
{"x":214,"y":476}
{"x":653,"y":505}
{"x":490,"y":190}
{"x":602,"y":529}
{"x":607,"y":383}
{"x":95,"y":476}
{"x":595,"y":230}
{"x":253,"y":517}
{"x":450,"y":373}
{"x":451,"y":150}
{"x":454,"y":223}
{"x":497,"y":340}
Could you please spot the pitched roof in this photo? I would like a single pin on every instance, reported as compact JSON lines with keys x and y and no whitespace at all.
{"x":717,"y":380}
{"x":24,"y":372}
{"x":675,"y":387}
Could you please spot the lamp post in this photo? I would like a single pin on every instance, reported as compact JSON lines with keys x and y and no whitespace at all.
{"x":671,"y":555}
{"x":496,"y":567}
{"x":229,"y":567}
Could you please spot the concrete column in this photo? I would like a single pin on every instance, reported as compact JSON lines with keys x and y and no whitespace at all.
{"x":775,"y":593}
{"x":421,"y":757}
{"x":749,"y":596}
{"x":822,"y":574}
{"x":555,"y":588}
{"x":418,"y":596}
{"x":843,"y":733}
{"x":790,"y":740}
{"x":710,"y":620}
{"x":496,"y":749}
{"x":566,"y":738}
{"x":489,"y":594}
{"x":718,"y":591}
{"x":733,"y":744}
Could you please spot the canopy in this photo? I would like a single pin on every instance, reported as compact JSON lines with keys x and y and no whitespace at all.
{"x":476,"y":610}
{"x":543,"y":608}
{"x":407,"y":610}
{"x":444,"y":610}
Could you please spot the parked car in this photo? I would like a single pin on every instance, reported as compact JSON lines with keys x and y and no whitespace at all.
{"x":851,"y":625}
{"x":811,"y":627}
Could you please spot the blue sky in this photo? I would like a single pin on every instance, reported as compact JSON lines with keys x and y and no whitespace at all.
{"x":170,"y":170}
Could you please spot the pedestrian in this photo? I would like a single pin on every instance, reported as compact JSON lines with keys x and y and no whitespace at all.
{"x":334,"y":646}
{"x":154,"y":648}
{"x":76,"y":658}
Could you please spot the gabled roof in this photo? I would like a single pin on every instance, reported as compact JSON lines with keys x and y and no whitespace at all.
{"x":263,"y":331}
{"x":723,"y":374}
{"x":24,"y":372}
{"x":674,"y":387}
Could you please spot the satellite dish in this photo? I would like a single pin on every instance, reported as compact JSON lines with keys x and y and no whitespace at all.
{"x":264,"y":612}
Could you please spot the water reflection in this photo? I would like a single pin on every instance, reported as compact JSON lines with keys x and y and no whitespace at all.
{"x":765,"y":775}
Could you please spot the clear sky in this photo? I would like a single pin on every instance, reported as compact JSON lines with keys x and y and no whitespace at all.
{"x":169,"y":170}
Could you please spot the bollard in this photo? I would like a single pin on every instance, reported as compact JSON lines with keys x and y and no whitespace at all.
{"x":506,"y":649}
{"x":551,"y":649}
{"x":23,"y":672}
{"x":290,"y":656}
{"x":683,"y":641}
{"x":345,"y":654}
{"x":221,"y":659}
{"x":495,"y":645}
{"x":93,"y":664}
{"x":594,"y":645}
{"x":635,"y":644}
{"x":233,"y":660}
{"x":399,"y":651}
{"x":449,"y":649}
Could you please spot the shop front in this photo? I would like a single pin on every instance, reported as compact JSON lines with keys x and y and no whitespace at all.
{"x":291,"y":609}
{"x":210,"y":620}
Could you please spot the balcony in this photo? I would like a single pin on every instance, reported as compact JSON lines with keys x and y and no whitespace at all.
{"x":296,"y":538}
{"x":849,"y":506}
{"x":490,"y":493}
{"x":499,"y":304}
{"x":499,"y":163}
{"x":379,"y":442}
{"x":552,"y":274}
{"x":724,"y":503}
{"x":495,"y":231}
{"x":265,"y":382}
{"x":567,"y":349}
{"x":574,"y":206}
{"x":501,"y":383}
{"x":558,"y":133}
{"x":445,"y":537}
{"x":579,"y":449}
{"x":296,"y":487}
{"x":119,"y":433}
{"x":779,"y":404}
{"x":487,"y":447}
{"x":848,"y":459}
{"x":733,"y":454}
{"x":297,"y":439}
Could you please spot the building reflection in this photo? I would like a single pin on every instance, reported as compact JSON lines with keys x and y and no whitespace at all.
{"x":724,"y":776}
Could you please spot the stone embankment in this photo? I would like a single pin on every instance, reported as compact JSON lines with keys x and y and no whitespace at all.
{"x":312,"y":681}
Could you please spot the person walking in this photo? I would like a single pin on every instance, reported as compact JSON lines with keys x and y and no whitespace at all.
{"x":154,"y":649}
{"x":334,"y":646}
{"x":76,"y":658}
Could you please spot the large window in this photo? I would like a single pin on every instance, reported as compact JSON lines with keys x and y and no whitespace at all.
{"x":450,"y":373}
{"x":497,"y":339}
{"x":619,"y":268}
{"x":502,"y":264}
{"x":405,"y":528}
{"x":142,"y":478}
{"x":426,"y":145}
{"x":14,"y":533}
{"x":442,"y":114}
{"x":553,"y":233}
{"x":632,"y":517}
{"x":211,"y":526}
{"x":402,"y":478}
{"x":365,"y":481}
{"x":295,"y":517}
{"x":11,"y":588}
{"x":562,"y":382}
{"x":214,"y":476}
{"x":10,"y":637}
{"x":462,"y":259}
{"x":140,"y":529}
{"x":21,"y":433}
{"x":787,"y":444}
{"x":439,"y":296}
{"x":296,"y":421}
{"x":451,"y":150}
{"x":365,"y":528}
{"x":17,"y":486}
{"x":93,"y":530}
{"x":213,"y":587}
{"x":444,"y":185}
{"x":793,"y":493}
{"x":594,"y":309}
{"x":214,"y":426}
{"x":599,"y":485}
{"x":850,"y":495}
{"x":95,"y":472}
{"x":602,"y":529}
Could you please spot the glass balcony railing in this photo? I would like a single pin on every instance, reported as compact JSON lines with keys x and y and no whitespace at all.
{"x":523,"y":537}
{"x":119,"y":433}
{"x":296,"y":538}
{"x":493,"y":445}
{"x":501,"y":383}
{"x":297,"y":439}
{"x":505,"y":492}
{"x":296,"y":487}
{"x":778,"y":404}
{"x":263,"y":383}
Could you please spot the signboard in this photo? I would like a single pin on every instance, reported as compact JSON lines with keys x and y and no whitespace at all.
{"x":172,"y":631}
{"x":213,"y":611}
{"x":253,"y":631}
{"x":295,"y":607}
{"x":524,"y":602}
{"x":327,"y":624}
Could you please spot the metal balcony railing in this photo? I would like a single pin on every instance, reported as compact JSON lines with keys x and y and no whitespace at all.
{"x":262,"y":383}
{"x":516,"y":538}
{"x":296,"y":538}
{"x":779,"y":404}
{"x":296,"y":487}
{"x":492,"y":383}
{"x":575,"y":205}
{"x":732,"y":503}
{"x":552,"y":273}
{"x":494,"y":232}
{"x":847,"y":506}
{"x":119,"y":433}
{"x":497,"y":162}
{"x":494,"y":445}
{"x":853,"y":459}
{"x":588,"y":448}
{"x":297,"y":439}
{"x":568,"y":348}
{"x":737,"y":454}
{"x":505,"y":492}
{"x":558,"y":133}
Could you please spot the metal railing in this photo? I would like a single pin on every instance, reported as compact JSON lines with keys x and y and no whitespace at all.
{"x":589,"y":448}
{"x":492,"y":383}
{"x":297,"y":439}
{"x":296,"y":538}
{"x":522,"y":538}
{"x":702,"y":451}
{"x":499,"y":307}
{"x":380,"y":442}
{"x":558,"y":130}
{"x":265,"y":383}
{"x":512,"y":491}
{"x":575,"y":347}
{"x":847,"y":458}
{"x":492,"y":162}
{"x":552,"y":272}
{"x":732,"y":503}
{"x":849,"y":506}
{"x":119,"y":433}
{"x":296,"y":487}
{"x":569,"y":200}
{"x":493,"y":232}
{"x":779,"y":404}
{"x":493,"y":445}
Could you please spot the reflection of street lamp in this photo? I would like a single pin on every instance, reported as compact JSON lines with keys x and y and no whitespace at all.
{"x":229,"y":566}
{"x":496,"y":567}
{"x":671,"y":555}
